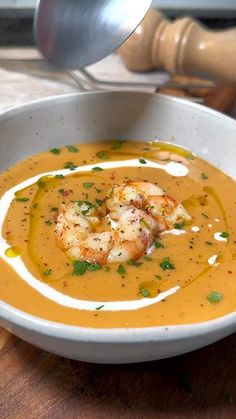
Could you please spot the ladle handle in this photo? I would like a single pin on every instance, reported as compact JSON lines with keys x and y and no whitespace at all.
{"x":181,"y":47}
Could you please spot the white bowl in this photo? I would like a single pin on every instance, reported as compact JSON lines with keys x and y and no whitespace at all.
{"x":95,"y":116}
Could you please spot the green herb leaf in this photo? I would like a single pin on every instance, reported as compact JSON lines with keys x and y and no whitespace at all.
{"x":48,"y":272}
{"x":102,"y":155}
{"x":48,"y":222}
{"x":147,"y":258}
{"x":214,"y":297}
{"x":22,"y":199}
{"x":100,"y":307}
{"x":97,"y":169}
{"x":144,"y":292}
{"x":61,"y":191}
{"x":55,"y":151}
{"x":224,"y":234}
{"x":117,"y":144}
{"x":53,"y":209}
{"x":85,"y":206}
{"x":88,"y":185}
{"x":142,"y":161}
{"x":204,"y":176}
{"x":121,"y":270}
{"x":204,"y":215}
{"x":72,"y":149}
{"x":59,"y":176}
{"x":166,"y":264}
{"x":80,"y":267}
{"x":134,"y":262}
{"x":93,"y":266}
{"x":158,"y":245}
{"x":70,"y":165}
{"x":179,"y":226}
{"x":158,"y":277}
{"x":209,"y":243}
{"x":99,"y":202}
{"x":107,"y":269}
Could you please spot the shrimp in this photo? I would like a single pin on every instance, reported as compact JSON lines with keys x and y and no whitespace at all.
{"x":134,"y":233}
{"x":138,"y":212}
{"x":166,"y":211}
{"x":120,"y":197}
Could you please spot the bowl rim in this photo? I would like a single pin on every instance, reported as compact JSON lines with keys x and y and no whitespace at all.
{"x":20,"y":318}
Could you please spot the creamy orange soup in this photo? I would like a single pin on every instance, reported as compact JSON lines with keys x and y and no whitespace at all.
{"x":188,"y":277}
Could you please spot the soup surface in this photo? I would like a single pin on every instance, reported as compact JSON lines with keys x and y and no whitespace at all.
{"x":187,"y":276}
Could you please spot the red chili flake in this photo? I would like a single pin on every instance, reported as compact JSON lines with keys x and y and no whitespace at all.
{"x":68,"y":192}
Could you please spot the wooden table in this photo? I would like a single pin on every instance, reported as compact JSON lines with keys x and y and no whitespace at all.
{"x":35,"y":384}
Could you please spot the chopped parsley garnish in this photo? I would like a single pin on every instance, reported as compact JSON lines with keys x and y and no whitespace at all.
{"x":102,"y":155}
{"x":158,"y":245}
{"x":100,"y":307}
{"x":59,"y":176}
{"x":166,"y":264}
{"x":61,"y":191}
{"x":214,"y":297}
{"x":224,"y":235}
{"x":147,"y":258}
{"x":142,"y":161}
{"x":85,"y":206}
{"x":204,"y":215}
{"x":72,"y":149}
{"x":55,"y":151}
{"x":144,"y":292}
{"x":97,"y":169}
{"x":53,"y":209}
{"x":121,"y":270}
{"x":117,"y":144}
{"x":209,"y":243}
{"x":48,"y":222}
{"x":107,"y":269}
{"x":22,"y":199}
{"x":134,"y":262}
{"x":158,"y":277}
{"x":179,"y":226}
{"x":93,"y":266}
{"x":99,"y":202}
{"x":81,"y":266}
{"x":88,"y":185}
{"x":48,"y":272}
{"x":204,"y":176}
{"x":70,"y":165}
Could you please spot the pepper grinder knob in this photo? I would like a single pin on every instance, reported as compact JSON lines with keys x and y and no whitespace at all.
{"x":181,"y":47}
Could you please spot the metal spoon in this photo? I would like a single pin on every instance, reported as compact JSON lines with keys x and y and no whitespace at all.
{"x":75,"y":33}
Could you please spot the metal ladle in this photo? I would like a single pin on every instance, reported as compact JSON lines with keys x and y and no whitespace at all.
{"x":73,"y":34}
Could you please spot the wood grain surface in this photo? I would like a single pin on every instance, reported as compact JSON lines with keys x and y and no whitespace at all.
{"x":35,"y":384}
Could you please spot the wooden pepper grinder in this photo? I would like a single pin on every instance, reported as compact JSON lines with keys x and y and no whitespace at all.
{"x":181,"y":47}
